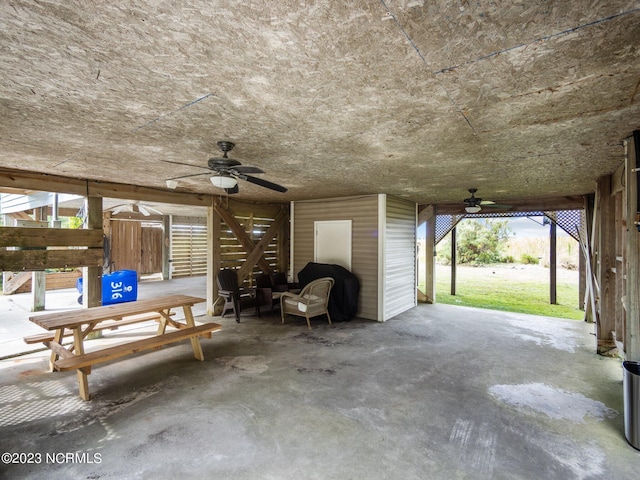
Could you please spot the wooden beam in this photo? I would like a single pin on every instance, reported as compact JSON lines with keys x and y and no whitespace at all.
{"x":425,"y":213}
{"x":95,"y":188}
{"x":25,"y":237}
{"x":13,"y":283}
{"x":19,"y":260}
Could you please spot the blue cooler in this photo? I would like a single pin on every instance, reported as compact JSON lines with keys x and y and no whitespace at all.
{"x":117,"y":287}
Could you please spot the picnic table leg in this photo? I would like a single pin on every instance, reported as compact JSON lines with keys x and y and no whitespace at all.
{"x":83,"y":383}
{"x":195,"y":341}
{"x":57,"y":337}
{"x":162,"y":324}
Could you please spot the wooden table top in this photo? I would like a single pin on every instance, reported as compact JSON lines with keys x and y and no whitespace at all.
{"x":74,"y":318}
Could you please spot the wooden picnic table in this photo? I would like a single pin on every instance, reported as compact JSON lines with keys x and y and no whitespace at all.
{"x":84,"y":321}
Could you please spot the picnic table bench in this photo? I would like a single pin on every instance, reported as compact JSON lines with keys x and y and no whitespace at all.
{"x":80,"y":323}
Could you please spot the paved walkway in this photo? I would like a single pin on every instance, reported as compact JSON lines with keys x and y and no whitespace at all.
{"x":15,"y":310}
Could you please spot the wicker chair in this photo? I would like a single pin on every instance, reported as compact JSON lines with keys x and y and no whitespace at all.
{"x":312,"y":300}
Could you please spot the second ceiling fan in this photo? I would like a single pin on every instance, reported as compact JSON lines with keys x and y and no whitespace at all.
{"x":474,"y":204}
{"x":227,"y":172}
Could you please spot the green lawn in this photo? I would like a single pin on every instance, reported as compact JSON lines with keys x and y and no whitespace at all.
{"x":510,"y":287}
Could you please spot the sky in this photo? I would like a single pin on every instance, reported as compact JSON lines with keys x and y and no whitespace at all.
{"x":530,"y":227}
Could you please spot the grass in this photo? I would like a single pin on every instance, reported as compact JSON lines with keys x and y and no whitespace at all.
{"x":510,"y":287}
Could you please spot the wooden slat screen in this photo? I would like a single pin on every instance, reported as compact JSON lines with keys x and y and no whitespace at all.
{"x":188,"y":250}
{"x":233,"y":255}
{"x":23,"y":248}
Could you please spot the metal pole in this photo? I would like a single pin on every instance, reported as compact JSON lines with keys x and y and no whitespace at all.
{"x":453,"y":261}
{"x":553,"y":254}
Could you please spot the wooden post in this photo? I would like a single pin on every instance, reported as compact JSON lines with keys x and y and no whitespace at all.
{"x":453,"y":260}
{"x":166,"y":247}
{"x":582,"y":279}
{"x":429,"y":256}
{"x":106,"y":232}
{"x":213,"y":259}
{"x":589,"y":301}
{"x":553,"y":263}
{"x":92,"y":276}
{"x":632,"y":334}
{"x":38,"y":278}
{"x":606,"y":251}
{"x":282,"y":251}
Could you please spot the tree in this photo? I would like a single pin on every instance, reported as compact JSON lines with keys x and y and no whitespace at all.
{"x":482,"y":241}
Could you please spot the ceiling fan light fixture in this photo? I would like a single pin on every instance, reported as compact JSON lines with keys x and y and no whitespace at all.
{"x":472,"y":209}
{"x":223,"y":181}
{"x":172,"y":184}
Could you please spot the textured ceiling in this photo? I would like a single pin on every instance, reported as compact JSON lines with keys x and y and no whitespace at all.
{"x":419,"y":99}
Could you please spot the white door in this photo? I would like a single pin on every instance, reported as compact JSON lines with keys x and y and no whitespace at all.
{"x":332,"y":242}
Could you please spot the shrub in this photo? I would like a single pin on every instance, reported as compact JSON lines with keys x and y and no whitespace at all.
{"x":482,"y":242}
{"x":529,"y":259}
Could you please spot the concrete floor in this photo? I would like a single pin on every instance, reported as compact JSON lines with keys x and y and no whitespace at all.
{"x":440,"y":392}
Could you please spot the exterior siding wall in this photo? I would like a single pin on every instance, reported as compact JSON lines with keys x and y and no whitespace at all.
{"x":363,"y":212}
{"x":399,"y":257}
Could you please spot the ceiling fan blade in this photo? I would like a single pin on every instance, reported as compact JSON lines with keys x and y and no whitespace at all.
{"x":245,"y":169}
{"x":263,"y":183}
{"x":497,"y":205}
{"x":153,"y":210}
{"x":232,"y":190}
{"x":187,"y":176}
{"x":144,"y":211}
{"x":487,"y":202}
{"x":122,"y":208}
{"x":182,"y":163}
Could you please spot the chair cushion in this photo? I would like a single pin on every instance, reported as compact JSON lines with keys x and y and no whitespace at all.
{"x":302,"y":307}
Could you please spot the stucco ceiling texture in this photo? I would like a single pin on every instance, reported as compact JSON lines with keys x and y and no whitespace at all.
{"x":418,"y":99}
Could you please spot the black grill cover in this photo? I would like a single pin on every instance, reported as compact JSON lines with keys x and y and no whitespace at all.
{"x":343,"y":300}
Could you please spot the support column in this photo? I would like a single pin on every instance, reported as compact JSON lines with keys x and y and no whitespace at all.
{"x":166,"y":247}
{"x":213,"y":258}
{"x":92,"y":276}
{"x":38,"y":278}
{"x":454,"y":250}
{"x":430,"y":259}
{"x":632,"y":334}
{"x":553,"y":263}
{"x":606,"y":250}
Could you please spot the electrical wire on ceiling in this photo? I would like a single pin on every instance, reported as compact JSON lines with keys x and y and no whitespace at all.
{"x":537,"y":40}
{"x":424,"y":60}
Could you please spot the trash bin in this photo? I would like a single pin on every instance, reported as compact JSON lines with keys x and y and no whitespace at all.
{"x":631,"y":386}
{"x":117,"y":287}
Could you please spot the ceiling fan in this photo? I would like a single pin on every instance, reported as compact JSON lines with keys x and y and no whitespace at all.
{"x":474,"y":204}
{"x":227,"y":172}
{"x":134,"y":207}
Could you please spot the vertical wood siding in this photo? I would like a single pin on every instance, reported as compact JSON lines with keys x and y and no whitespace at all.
{"x":188,"y":247}
{"x":363,"y":212}
{"x":126,"y":245}
{"x":399,"y":257}
{"x":151,"y":260}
